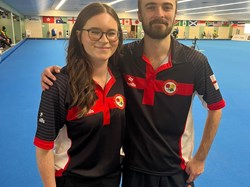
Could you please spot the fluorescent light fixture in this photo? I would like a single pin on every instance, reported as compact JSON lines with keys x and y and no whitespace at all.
{"x":232,"y":13}
{"x":212,"y":11}
{"x":135,"y":10}
{"x":184,"y":1}
{"x":114,"y":2}
{"x":214,"y":6}
{"x":60,"y":4}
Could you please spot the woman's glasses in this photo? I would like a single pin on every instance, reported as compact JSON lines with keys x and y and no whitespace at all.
{"x":96,"y":34}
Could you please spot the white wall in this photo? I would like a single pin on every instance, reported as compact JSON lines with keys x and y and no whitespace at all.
{"x":34,"y":28}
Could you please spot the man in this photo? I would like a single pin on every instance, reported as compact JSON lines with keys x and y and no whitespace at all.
{"x":53,"y":33}
{"x":6,"y":35}
{"x":175,"y":33}
{"x":161,"y":78}
{"x":194,"y":43}
{"x":4,"y":40}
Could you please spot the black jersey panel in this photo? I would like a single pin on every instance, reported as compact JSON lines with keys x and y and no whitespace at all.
{"x":93,"y":147}
{"x":156,"y":126}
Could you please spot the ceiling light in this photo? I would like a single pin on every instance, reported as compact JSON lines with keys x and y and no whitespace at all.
{"x":213,"y":6}
{"x":60,"y":4}
{"x":184,"y":1}
{"x":232,"y":13}
{"x":135,"y":10}
{"x":114,"y":2}
{"x":211,"y":11}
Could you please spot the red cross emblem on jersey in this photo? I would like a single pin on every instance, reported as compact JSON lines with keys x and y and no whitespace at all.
{"x":103,"y":104}
{"x":151,"y":85}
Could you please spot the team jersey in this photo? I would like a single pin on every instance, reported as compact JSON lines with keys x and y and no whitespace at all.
{"x":160,"y":133}
{"x":89,"y":146}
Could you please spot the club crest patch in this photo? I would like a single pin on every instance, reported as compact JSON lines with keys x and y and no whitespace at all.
{"x":170,"y":87}
{"x":119,"y":101}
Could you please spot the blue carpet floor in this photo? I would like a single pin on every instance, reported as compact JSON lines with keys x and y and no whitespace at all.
{"x":227,"y":164}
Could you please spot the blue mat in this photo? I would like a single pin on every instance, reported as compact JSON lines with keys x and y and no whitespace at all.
{"x":227,"y":164}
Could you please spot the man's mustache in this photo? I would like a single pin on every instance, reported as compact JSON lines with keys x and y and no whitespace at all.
{"x":158,"y":21}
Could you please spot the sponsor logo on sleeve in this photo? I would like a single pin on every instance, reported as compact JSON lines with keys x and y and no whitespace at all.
{"x":130,"y":82}
{"x":41,"y":120}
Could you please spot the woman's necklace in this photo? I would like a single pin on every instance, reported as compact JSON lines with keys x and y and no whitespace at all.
{"x":107,"y":78}
{"x":104,"y":81}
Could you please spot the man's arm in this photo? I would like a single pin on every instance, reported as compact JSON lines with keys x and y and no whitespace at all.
{"x":196,"y":165}
{"x":45,"y":162}
{"x":48,"y":77}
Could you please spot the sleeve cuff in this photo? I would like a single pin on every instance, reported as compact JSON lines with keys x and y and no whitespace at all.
{"x":43,"y":144}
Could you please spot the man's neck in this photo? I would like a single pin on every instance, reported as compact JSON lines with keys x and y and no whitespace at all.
{"x":156,"y":50}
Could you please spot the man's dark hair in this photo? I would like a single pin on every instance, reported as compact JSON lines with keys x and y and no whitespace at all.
{"x":139,"y":5}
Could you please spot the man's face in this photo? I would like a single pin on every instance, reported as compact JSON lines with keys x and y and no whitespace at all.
{"x":157,"y":17}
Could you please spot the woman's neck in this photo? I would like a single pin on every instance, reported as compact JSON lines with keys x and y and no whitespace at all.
{"x":101,"y":74}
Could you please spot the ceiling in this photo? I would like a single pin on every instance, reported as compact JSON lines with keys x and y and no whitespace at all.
{"x":73,"y":7}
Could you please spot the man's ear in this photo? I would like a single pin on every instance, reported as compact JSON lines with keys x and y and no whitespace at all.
{"x":139,"y":16}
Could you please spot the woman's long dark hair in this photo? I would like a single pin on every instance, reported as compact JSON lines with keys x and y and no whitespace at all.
{"x":79,"y":66}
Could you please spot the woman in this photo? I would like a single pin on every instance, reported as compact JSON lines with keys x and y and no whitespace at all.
{"x":81,"y":118}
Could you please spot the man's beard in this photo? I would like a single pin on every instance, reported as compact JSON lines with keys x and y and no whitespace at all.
{"x":157,"y":33}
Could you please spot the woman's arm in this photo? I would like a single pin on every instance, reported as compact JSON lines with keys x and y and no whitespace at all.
{"x":45,"y":163}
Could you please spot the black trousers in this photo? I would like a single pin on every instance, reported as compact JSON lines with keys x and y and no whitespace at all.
{"x":112,"y":180}
{"x":132,"y":178}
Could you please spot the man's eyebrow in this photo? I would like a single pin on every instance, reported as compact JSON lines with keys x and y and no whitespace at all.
{"x":148,"y":4}
{"x":152,"y":3}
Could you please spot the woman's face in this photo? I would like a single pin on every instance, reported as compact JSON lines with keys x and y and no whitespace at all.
{"x":98,"y":45}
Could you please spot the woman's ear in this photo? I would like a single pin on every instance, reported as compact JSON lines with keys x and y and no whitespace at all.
{"x":78,"y":34}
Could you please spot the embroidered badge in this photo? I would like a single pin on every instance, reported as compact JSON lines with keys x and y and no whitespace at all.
{"x":119,"y":101}
{"x":170,"y":87}
{"x":214,"y":81}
